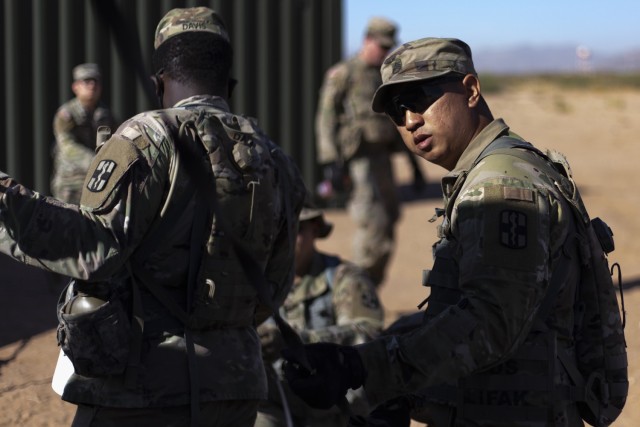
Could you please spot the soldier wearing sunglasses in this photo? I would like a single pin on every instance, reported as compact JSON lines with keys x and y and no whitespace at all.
{"x":485,"y":354}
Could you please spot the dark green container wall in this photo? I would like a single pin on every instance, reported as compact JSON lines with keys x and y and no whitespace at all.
{"x":282,"y":49}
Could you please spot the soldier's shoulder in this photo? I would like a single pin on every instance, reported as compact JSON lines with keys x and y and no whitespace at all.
{"x":63,"y":114}
{"x":348,"y":273}
{"x":338,"y":72}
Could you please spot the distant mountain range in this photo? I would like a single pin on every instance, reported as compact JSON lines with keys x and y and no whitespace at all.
{"x":541,"y":59}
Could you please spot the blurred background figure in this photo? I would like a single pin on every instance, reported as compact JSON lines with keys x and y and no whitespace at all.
{"x":331,"y":301}
{"x":75,"y":126}
{"x":355,"y":146}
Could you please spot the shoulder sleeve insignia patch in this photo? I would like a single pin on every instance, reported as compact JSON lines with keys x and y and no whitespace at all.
{"x":101,"y":175}
{"x":511,"y":226}
{"x":107,"y":171}
{"x":513,"y":229}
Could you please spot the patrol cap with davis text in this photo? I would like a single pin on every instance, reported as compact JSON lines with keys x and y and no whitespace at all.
{"x":422,"y":59}
{"x":191,"y":19}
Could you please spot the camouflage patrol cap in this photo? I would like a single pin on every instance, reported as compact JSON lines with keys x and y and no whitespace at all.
{"x":182,"y":20}
{"x":383,"y":30}
{"x":310,"y":212}
{"x":422,"y":59}
{"x":86,"y":71}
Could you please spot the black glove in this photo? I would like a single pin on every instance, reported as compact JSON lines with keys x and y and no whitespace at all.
{"x":392,"y":413}
{"x":271,"y":341}
{"x":335,"y":369}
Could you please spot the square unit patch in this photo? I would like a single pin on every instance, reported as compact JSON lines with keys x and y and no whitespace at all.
{"x":510,"y":231}
{"x":101,"y":175}
{"x":513,"y":229}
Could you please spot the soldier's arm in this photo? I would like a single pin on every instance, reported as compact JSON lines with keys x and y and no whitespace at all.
{"x":91,"y":242}
{"x":501,"y":285}
{"x":280,"y":268}
{"x":359,"y":314}
{"x":68,"y":149}
{"x":329,"y":112}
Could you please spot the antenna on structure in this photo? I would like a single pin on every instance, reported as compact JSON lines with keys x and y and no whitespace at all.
{"x":583,"y":53}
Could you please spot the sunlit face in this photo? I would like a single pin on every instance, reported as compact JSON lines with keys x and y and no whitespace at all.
{"x":435,"y":119}
{"x":88,"y":91}
{"x":374,"y":53}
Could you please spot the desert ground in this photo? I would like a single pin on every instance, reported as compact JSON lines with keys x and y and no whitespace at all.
{"x":597,"y":130}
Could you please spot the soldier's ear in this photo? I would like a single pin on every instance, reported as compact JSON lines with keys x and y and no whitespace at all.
{"x":472,"y":87}
{"x":158,"y":84}
{"x":231,"y":84}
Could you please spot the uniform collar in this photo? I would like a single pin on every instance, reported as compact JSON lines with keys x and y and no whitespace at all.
{"x":311,"y":285}
{"x":486,"y":136}
{"x":477,"y":145}
{"x":216,"y":102}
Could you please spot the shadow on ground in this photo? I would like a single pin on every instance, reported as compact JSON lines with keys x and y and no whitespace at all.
{"x":28,"y":298}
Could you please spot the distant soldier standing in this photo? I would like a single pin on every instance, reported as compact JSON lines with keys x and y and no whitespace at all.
{"x":75,"y":125}
{"x":350,"y":134}
{"x":331,"y":300}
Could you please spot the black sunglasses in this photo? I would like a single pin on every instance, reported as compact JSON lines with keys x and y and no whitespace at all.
{"x":416,"y":98}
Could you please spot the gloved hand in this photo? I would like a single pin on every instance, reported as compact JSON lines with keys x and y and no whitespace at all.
{"x":335,"y":369}
{"x":392,"y":413}
{"x":271,"y":341}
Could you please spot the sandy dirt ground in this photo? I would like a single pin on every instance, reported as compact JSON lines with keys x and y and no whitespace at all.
{"x":596,"y":130}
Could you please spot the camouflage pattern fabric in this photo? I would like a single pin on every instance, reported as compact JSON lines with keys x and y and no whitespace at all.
{"x":346,"y":312}
{"x":347,"y":129}
{"x":179,"y":21}
{"x":133,"y":180}
{"x":507,"y":228}
{"x":75,"y":132}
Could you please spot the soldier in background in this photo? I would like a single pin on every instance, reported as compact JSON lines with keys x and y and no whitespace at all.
{"x":353,"y":139}
{"x":74,"y":126}
{"x":146,"y":213}
{"x":331,"y":301}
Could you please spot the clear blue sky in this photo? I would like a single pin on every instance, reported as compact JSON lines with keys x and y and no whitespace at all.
{"x":604,"y":26}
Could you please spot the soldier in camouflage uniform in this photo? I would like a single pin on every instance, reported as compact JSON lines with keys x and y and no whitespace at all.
{"x":331,"y":301}
{"x":487,"y":353}
{"x":137,"y":179}
{"x":349,"y":133}
{"x":75,"y":125}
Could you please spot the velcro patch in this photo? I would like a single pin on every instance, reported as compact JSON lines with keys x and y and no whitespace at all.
{"x":511,"y":228}
{"x":107,"y":169}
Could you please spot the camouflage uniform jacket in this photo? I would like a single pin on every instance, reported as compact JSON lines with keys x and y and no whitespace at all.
{"x":344,"y":117}
{"x":336,"y":302}
{"x":507,"y":228}
{"x":75,"y":132}
{"x":133,"y":180}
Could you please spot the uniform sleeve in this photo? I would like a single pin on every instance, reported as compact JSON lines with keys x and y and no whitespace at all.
{"x":69,"y":151}
{"x":358,"y":312}
{"x":280,"y":267}
{"x":330,"y":109}
{"x":503,"y":227}
{"x":121,"y":195}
